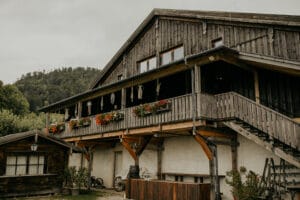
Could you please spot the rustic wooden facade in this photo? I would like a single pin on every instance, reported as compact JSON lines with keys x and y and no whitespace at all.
{"x":238,"y":74}
{"x":25,"y":177}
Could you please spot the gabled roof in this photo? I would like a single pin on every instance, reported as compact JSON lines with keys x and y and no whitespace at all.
{"x":23,"y":135}
{"x":284,"y":20}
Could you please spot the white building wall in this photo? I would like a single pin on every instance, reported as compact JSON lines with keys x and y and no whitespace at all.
{"x":148,"y":162}
{"x":184,"y":155}
{"x":75,"y":159}
{"x":103,"y":163}
{"x":253,"y":156}
{"x":180,"y":155}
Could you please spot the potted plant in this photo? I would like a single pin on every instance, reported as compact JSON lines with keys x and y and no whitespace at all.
{"x":74,"y":179}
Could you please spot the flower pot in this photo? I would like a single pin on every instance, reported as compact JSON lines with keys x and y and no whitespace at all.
{"x":74,"y":191}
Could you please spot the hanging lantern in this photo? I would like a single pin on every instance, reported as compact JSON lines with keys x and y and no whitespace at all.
{"x":140,"y":92}
{"x":112,"y":98}
{"x":157,"y":87}
{"x":131,"y":95}
{"x":66,"y":113}
{"x":89,"y":105}
{"x":101,"y":103}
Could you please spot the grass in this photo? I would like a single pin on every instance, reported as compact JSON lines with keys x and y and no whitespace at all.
{"x":84,"y":195}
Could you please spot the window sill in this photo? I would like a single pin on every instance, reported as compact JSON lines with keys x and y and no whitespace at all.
{"x":28,"y":175}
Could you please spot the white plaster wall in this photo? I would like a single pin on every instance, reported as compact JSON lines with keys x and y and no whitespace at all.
{"x":224,"y":165}
{"x":75,"y":160}
{"x":103,"y":164}
{"x":184,"y":155}
{"x":148,"y":162}
{"x":253,"y":156}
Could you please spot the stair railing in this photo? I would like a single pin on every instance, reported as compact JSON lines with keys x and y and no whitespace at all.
{"x":276,"y":125}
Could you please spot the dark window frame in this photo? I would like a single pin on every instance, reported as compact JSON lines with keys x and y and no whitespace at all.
{"x":172,"y":51}
{"x":148,"y":63}
{"x":27,"y":164}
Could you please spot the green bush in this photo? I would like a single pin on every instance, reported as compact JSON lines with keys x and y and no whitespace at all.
{"x":245,"y":185}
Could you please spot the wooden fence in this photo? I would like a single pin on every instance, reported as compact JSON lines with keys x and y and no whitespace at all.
{"x":140,"y":189}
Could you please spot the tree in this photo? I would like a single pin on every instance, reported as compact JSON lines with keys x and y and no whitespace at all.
{"x":12,"y":99}
{"x":42,"y":87}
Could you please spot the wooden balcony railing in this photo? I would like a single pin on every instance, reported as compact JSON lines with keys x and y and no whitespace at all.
{"x":225,"y":106}
{"x":181,"y":109}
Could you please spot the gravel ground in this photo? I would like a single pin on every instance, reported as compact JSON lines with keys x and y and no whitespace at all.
{"x":111,"y":195}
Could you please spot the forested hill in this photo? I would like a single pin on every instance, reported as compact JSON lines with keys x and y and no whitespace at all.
{"x":41,"y":88}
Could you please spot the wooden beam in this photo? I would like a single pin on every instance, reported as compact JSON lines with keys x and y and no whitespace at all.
{"x":130,"y":150}
{"x":204,"y":146}
{"x":181,"y":126}
{"x":144,"y":141}
{"x":210,"y":133}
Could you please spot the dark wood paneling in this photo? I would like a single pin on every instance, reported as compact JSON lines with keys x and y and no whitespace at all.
{"x":249,"y":38}
{"x":155,"y":190}
{"x":280,"y":92}
{"x":56,"y":160}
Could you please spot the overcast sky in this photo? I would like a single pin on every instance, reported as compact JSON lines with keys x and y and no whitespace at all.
{"x":40,"y":35}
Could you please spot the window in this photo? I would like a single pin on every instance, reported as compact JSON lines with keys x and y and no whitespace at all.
{"x":172,"y":55}
{"x":25,"y":164}
{"x":147,"y":65}
{"x":217,"y":42}
{"x":120,"y":77}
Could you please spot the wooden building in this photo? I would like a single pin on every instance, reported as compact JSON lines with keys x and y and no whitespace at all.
{"x":32,"y":163}
{"x":227,"y":81}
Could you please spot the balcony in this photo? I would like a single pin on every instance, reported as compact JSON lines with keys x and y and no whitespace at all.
{"x":190,"y":108}
{"x":180,"y":109}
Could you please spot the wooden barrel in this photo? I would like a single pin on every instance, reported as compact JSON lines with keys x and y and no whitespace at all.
{"x":134,"y":171}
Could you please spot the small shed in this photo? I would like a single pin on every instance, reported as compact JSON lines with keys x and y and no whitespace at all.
{"x":32,"y":163}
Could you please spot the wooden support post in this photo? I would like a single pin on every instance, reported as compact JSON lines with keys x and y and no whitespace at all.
{"x":90,"y":166}
{"x":234,"y":153}
{"x":123,"y":100}
{"x":79,"y":109}
{"x":256,"y":87}
{"x":47,"y":122}
{"x":197,"y":79}
{"x":159,"y":158}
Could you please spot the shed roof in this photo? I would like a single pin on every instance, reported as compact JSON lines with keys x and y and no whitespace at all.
{"x":19,"y":136}
{"x":271,"y":19}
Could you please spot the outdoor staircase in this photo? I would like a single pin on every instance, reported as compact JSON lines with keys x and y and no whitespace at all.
{"x":277,"y":147}
{"x":272,"y":130}
{"x":279,"y":180}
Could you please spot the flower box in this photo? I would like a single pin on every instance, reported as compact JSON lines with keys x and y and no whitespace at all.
{"x":106,"y":118}
{"x":154,"y":108}
{"x":86,"y":121}
{"x":143,"y":110}
{"x":162,"y":106}
{"x":73,"y":123}
{"x":56,"y":128}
